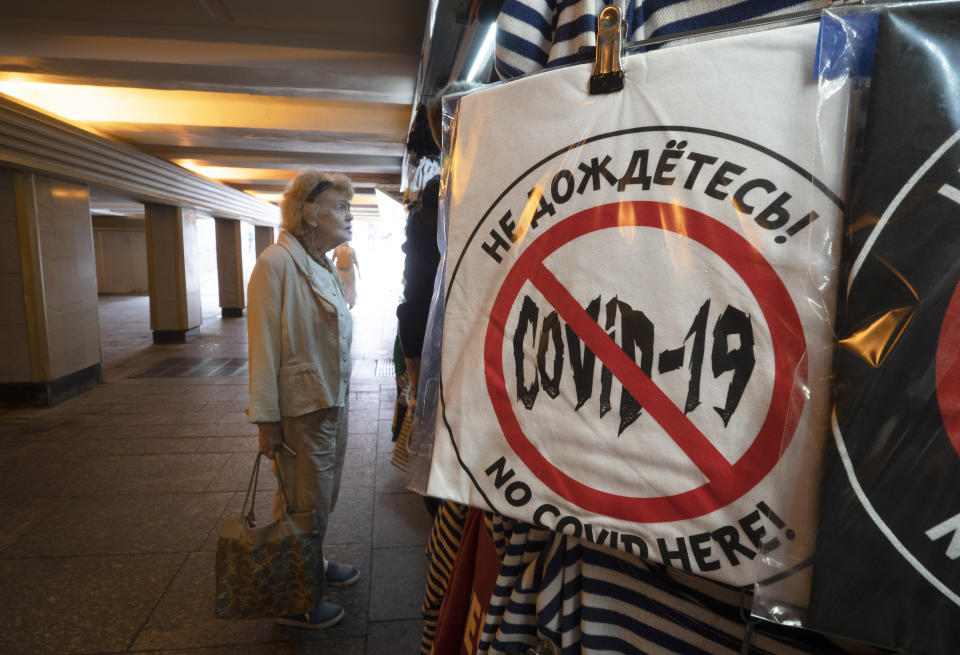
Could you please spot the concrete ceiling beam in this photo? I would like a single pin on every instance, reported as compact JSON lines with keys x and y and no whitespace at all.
{"x":368,"y":26}
{"x":171,"y":138}
{"x":34,"y":141}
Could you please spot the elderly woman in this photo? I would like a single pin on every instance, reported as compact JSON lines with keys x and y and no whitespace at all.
{"x":299,"y":332}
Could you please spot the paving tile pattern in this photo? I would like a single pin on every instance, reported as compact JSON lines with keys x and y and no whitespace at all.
{"x":196,"y":367}
{"x":111,"y":502}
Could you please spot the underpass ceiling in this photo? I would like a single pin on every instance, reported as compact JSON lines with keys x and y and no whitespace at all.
{"x":244,"y":92}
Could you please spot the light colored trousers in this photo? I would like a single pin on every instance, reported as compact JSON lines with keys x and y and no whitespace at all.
{"x":311,"y":478}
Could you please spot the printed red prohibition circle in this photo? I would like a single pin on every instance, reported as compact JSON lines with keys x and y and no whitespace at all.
{"x":948,"y":370}
{"x":727,"y":482}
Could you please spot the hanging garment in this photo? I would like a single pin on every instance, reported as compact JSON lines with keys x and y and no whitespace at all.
{"x":887,"y":567}
{"x":582,"y":598}
{"x":468,"y":591}
{"x":638,"y":293}
{"x":442,"y":550}
{"x":401,"y":446}
{"x":420,"y":141}
{"x":535,"y":34}
{"x":421,"y":258}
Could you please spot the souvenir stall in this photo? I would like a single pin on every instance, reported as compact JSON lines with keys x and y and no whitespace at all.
{"x":692,"y":353}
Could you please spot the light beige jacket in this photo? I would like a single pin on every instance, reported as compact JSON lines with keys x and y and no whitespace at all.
{"x":299,"y":331}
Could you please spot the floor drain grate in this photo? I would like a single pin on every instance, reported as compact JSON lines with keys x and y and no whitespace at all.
{"x":385,"y":368}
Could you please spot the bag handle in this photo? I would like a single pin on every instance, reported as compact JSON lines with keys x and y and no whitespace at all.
{"x":251,"y":490}
{"x":251,"y":494}
{"x":283,"y":490}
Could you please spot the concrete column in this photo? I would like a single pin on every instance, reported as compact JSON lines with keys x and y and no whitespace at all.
{"x":49,"y":326}
{"x":230,"y":267}
{"x":263,"y":237}
{"x":175,"y":312}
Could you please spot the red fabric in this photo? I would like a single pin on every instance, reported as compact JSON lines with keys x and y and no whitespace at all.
{"x":465,"y":601}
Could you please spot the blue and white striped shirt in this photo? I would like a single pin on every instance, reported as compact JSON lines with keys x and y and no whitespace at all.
{"x":588,"y":599}
{"x":536,"y":34}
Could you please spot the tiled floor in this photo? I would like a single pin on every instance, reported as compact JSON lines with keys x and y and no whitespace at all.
{"x":110,"y":501}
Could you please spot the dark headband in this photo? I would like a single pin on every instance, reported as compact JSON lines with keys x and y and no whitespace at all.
{"x":322,"y":186}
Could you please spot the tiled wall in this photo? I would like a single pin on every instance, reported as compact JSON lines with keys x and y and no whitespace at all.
{"x":69,"y":275}
{"x":14,"y":347}
{"x":121,"y":260}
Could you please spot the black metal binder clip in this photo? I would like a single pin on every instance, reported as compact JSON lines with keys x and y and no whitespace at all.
{"x":607,"y":72}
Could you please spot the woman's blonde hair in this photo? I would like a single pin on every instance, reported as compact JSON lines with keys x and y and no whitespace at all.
{"x":301,"y":187}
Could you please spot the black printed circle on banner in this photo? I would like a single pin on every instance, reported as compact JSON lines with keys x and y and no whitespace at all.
{"x":727,"y":482}
{"x":651,"y":129}
{"x":948,"y":370}
{"x":896,"y":424}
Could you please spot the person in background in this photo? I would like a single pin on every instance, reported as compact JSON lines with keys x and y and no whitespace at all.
{"x":348,"y":267}
{"x":300,"y":330}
